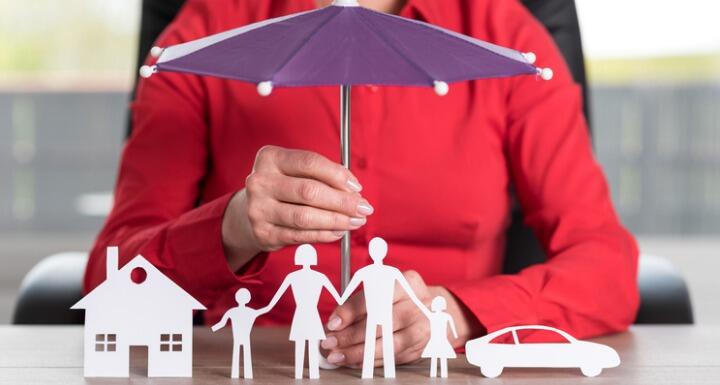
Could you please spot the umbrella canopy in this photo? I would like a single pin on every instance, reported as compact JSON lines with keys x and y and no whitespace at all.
{"x":343,"y":44}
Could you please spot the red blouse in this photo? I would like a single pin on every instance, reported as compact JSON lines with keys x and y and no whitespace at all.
{"x":436,"y":169}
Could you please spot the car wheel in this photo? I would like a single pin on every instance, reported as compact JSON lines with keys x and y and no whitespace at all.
{"x":590,"y":371}
{"x":491,"y":371}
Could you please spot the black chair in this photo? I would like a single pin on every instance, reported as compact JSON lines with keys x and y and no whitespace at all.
{"x":54,"y":284}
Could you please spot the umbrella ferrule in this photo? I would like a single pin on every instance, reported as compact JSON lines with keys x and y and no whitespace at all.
{"x":345,"y":3}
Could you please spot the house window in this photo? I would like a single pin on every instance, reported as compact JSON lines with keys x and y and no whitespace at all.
{"x":170,"y":342}
{"x":105,"y":342}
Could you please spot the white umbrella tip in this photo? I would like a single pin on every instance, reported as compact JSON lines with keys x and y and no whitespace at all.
{"x":147,"y":71}
{"x":530,"y":57}
{"x":545,"y":73}
{"x":345,"y":3}
{"x":156,"y":51}
{"x":265,"y":88}
{"x":441,"y":88}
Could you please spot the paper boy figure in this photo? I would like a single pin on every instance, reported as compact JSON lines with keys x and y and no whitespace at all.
{"x":379,"y":284}
{"x":439,"y":346}
{"x":242,"y":318}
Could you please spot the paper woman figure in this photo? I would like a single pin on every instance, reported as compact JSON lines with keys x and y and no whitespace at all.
{"x":306,"y":284}
{"x":439,"y":346}
{"x":378,"y":285}
{"x":242,"y":319}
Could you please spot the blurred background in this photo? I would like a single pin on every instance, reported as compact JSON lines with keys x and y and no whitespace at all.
{"x":67,"y":67}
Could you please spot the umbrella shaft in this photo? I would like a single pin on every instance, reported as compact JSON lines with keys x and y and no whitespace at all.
{"x":345,"y":157}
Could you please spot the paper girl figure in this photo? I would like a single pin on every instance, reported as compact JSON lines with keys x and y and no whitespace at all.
{"x":306,"y":284}
{"x":439,"y":346}
{"x":242,"y":318}
{"x":378,"y":282}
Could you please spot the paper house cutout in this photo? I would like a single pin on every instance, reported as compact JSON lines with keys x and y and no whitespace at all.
{"x":137,"y":305}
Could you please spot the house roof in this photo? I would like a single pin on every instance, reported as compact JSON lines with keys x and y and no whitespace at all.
{"x":156,"y":286}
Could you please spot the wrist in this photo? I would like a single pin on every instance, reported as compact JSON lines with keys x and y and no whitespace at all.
{"x":238,"y":242}
{"x":467,"y":324}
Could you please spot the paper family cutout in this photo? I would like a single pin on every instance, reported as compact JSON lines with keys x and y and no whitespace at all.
{"x":138,"y":305}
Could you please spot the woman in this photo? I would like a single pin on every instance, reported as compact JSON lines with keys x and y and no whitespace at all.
{"x":202,"y":195}
{"x":306,"y":328}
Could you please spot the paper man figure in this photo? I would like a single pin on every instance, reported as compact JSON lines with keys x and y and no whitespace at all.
{"x":306,"y":284}
{"x":378,"y":285}
{"x":439,"y":346}
{"x":242,"y":318}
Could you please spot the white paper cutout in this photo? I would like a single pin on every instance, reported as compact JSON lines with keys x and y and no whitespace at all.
{"x":242,"y":319}
{"x":378,"y":282}
{"x":306,"y":327}
{"x":439,"y":347}
{"x":590,"y":357}
{"x":151,"y":311}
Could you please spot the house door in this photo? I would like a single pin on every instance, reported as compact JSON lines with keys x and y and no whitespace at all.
{"x":139,"y":361}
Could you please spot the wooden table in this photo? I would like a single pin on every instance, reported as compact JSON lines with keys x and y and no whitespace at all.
{"x":652,"y":355}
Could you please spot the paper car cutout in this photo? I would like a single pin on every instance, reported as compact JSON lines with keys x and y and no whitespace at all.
{"x":590,"y":357}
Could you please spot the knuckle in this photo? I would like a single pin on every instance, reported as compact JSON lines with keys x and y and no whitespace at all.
{"x":339,"y":221}
{"x":301,"y":218}
{"x":265,"y":153}
{"x":348,"y":203}
{"x":261,"y":234}
{"x":255,"y":213}
{"x":308,"y":192}
{"x":309,"y":160}
{"x":414,"y":278}
{"x":253,"y":183}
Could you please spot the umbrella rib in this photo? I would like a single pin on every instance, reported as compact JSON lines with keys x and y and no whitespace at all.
{"x":396,"y":49}
{"x":305,"y":41}
{"x":502,"y":52}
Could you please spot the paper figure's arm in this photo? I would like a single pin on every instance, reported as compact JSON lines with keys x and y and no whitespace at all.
{"x":352,"y":285}
{"x":451,"y":322}
{"x":329,"y":286}
{"x":281,"y":290}
{"x":222,"y":322}
{"x":406,"y":286}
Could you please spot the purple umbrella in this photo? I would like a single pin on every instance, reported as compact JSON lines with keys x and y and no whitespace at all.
{"x":343,"y":44}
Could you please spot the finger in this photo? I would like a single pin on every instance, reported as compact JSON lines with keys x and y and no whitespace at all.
{"x":310,"y":218}
{"x":350,"y":336}
{"x":350,"y":312}
{"x":405,"y":313}
{"x":315,"y":193}
{"x":403,"y":340}
{"x":288,"y":236}
{"x":307,"y":164}
{"x":417,"y":284}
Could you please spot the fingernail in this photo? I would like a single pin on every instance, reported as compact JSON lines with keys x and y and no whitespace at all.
{"x":357,"y":222}
{"x":336,"y":358}
{"x":334,"y":323}
{"x":338,"y":233}
{"x":329,"y":343}
{"x":364,"y":208}
{"x":354,"y":185}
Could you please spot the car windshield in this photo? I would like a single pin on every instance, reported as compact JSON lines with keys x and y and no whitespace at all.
{"x":536,"y":335}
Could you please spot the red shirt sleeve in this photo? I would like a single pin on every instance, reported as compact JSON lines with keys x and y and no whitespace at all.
{"x":158,"y":186}
{"x":588,"y":286}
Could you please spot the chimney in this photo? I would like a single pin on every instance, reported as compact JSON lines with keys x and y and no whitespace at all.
{"x":111,"y":261}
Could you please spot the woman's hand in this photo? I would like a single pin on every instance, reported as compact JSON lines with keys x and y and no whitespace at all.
{"x":291,"y":197}
{"x":346,"y":335}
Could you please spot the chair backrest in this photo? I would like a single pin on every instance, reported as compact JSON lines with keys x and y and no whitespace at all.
{"x":558,"y":16}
